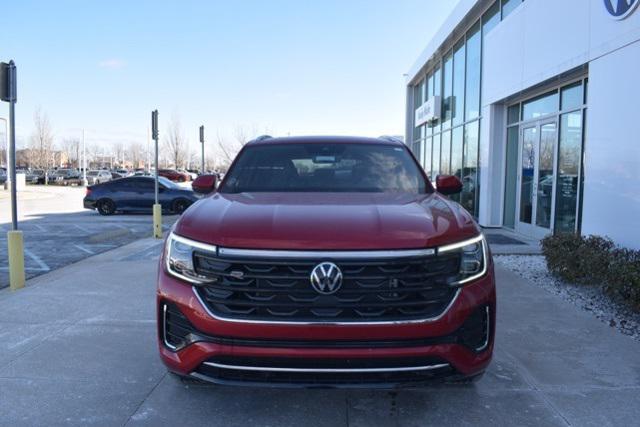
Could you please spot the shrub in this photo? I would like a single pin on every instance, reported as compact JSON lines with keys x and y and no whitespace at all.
{"x":595,"y":260}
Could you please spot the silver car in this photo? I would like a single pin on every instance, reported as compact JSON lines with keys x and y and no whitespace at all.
{"x":98,"y":177}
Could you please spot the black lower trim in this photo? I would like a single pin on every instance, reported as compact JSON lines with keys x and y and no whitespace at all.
{"x":472,"y":332}
{"x":386,"y":380}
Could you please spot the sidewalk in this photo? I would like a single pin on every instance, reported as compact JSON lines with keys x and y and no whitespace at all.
{"x":78,"y":347}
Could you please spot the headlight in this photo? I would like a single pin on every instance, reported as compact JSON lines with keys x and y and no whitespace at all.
{"x":179,"y":258}
{"x":473,"y":259}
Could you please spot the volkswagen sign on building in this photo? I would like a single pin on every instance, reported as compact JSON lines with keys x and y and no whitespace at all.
{"x":620,"y":9}
{"x":534,"y":105}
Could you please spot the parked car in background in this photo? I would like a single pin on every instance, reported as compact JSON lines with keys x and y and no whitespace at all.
{"x":98,"y":177}
{"x":174,"y":175}
{"x":68,"y":177}
{"x":30,"y":177}
{"x":326,"y":262}
{"x":116,"y":175}
{"x":137,"y":194}
{"x":123,"y":172}
{"x":3,"y":176}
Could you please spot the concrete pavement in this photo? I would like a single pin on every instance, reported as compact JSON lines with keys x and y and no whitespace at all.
{"x":78,"y":347}
{"x":57,"y":230}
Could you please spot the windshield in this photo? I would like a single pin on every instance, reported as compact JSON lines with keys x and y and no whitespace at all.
{"x":371,"y":168}
{"x":166,"y":182}
{"x":92,"y":173}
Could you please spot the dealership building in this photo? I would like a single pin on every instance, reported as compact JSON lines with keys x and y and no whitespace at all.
{"x":535,"y":106}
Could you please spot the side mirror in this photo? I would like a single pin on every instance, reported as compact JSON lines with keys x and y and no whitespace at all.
{"x":204,"y":184}
{"x":448,"y":184}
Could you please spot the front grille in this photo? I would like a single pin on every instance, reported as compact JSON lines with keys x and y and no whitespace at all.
{"x":394,"y":289}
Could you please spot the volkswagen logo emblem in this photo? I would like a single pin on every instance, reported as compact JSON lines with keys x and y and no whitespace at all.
{"x":326,"y":278}
{"x":620,"y":9}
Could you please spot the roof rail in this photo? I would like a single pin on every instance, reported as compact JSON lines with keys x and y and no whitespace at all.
{"x":392,"y":138}
{"x":261,"y":138}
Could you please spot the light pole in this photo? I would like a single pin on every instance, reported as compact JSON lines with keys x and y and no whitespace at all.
{"x":202,"y":146}
{"x":15,"y":243}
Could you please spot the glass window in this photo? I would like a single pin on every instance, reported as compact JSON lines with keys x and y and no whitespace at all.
{"x":456,"y":151}
{"x":435,"y":158}
{"x":343,"y":167}
{"x":470,"y":182}
{"x":445,"y":153}
{"x":447,"y":82}
{"x":527,"y":174}
{"x":586,"y":89}
{"x":472,"y":101}
{"x":417,"y":96}
{"x":546,"y":178}
{"x":510,"y":180}
{"x":457,"y":110}
{"x":428,"y":146}
{"x":513,"y":114}
{"x":491,"y":17}
{"x":508,"y":6}
{"x":437,"y":90}
{"x":456,"y":155}
{"x":571,"y":96}
{"x":430,"y":94}
{"x":426,"y":90}
{"x":540,"y":106}
{"x":569,"y":155}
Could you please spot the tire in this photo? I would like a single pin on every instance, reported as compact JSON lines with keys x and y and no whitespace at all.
{"x":106,"y":207}
{"x":179,"y":206}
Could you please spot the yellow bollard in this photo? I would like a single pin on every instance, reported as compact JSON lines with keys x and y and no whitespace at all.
{"x":16,"y":259}
{"x":157,"y":221}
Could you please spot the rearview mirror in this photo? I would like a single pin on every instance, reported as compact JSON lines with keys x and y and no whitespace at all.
{"x":448,"y":184}
{"x":204,"y":184}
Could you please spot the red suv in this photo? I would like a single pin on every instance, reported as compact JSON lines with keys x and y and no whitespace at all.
{"x":326,"y":261}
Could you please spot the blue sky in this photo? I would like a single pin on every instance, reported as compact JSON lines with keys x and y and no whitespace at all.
{"x":290,"y":67}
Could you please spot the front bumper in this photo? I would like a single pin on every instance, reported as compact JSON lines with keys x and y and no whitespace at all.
{"x":326,"y":355}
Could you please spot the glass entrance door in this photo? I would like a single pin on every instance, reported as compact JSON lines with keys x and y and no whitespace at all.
{"x":536,"y":178}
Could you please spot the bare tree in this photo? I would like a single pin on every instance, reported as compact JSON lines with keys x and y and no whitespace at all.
{"x":241,"y":135}
{"x":41,"y":140}
{"x":136,"y":154}
{"x":118,"y":153}
{"x":175,"y":142}
{"x":71,"y":147}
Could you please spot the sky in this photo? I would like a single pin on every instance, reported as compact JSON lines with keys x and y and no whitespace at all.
{"x":279,"y":67}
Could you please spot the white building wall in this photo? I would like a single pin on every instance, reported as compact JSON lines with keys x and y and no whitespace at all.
{"x":612,"y":148}
{"x":538,"y":41}
{"x":542,"y":39}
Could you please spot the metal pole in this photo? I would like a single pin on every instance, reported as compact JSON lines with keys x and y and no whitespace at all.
{"x":202,"y":146}
{"x":12,"y":145}
{"x":84,"y":160}
{"x":156,"y":171}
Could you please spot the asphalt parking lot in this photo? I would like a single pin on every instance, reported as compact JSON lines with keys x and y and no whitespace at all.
{"x":83,"y":352}
{"x":57,"y":231}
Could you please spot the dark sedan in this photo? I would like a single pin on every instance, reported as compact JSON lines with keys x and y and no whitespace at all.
{"x":136,"y":194}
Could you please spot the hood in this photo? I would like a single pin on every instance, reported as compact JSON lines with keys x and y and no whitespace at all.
{"x":326,"y":221}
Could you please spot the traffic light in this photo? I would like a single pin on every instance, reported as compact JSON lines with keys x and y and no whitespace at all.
{"x":154,"y":124}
